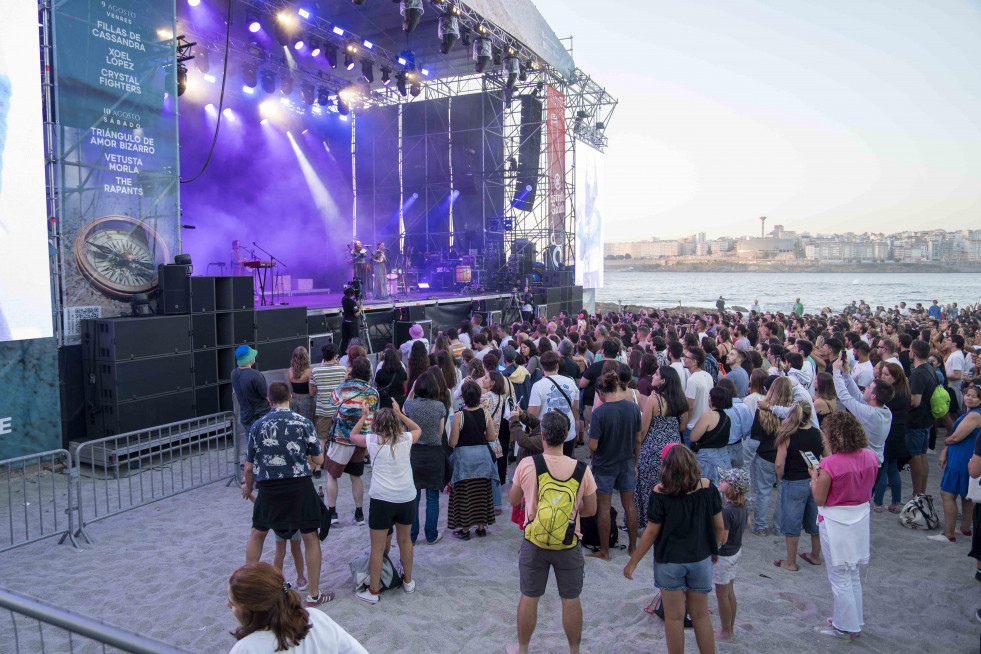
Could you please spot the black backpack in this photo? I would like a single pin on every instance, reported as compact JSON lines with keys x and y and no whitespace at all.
{"x":590,"y":531}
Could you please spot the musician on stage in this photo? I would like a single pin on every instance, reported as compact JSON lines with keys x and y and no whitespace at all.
{"x":527,"y":305}
{"x":380,"y":258}
{"x":358,"y":256}
{"x":239,"y":256}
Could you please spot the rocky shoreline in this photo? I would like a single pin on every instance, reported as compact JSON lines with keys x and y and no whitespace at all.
{"x":766,"y":266}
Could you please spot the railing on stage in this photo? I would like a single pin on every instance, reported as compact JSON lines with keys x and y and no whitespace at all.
{"x":38,"y":498}
{"x":39,"y":627}
{"x":119,"y":473}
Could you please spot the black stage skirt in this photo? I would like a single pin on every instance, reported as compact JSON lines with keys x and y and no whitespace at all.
{"x":428,"y":462}
{"x":287,"y":505}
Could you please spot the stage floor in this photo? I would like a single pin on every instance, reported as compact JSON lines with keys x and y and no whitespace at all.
{"x":325,"y":303}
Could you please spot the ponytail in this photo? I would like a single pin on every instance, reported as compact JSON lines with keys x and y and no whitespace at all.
{"x":799,"y":416}
{"x":266,"y":602}
{"x":609,"y":383}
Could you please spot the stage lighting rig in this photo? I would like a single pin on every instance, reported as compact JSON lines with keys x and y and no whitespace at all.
{"x":253,"y":22}
{"x":343,"y":108}
{"x":368,"y":70}
{"x":268,"y":81}
{"x":466,"y":36}
{"x":181,"y":79}
{"x":498,"y":55}
{"x":400,"y":85}
{"x":323,"y":96}
{"x":249,"y":75}
{"x":349,"y":57}
{"x":330,"y":54}
{"x":481,"y":54}
{"x":386,"y":75}
{"x":448,"y":29}
{"x":306,"y":92}
{"x":415,"y":89}
{"x":411,"y":11}
{"x":286,"y":85}
{"x":314,"y":46}
{"x":512,"y":68}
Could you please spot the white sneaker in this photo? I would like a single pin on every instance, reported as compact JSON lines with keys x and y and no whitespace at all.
{"x":365,"y":595}
{"x":941,"y":538}
{"x":439,"y":537}
{"x":409,"y":586}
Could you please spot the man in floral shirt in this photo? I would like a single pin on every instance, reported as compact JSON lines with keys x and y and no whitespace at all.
{"x":281,"y":446}
{"x":352,"y":397}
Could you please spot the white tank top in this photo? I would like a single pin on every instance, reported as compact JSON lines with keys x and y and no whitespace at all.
{"x":391,"y":478}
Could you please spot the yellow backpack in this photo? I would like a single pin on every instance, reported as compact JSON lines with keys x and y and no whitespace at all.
{"x":553,"y":527}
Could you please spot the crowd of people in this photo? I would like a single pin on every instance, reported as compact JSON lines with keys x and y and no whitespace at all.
{"x":693,"y":420}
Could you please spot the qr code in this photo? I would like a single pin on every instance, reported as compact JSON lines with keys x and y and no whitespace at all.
{"x":75,"y":315}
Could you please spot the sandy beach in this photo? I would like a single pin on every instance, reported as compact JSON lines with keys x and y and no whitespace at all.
{"x":162,"y":570}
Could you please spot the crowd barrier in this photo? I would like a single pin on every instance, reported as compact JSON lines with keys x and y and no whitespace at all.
{"x":39,"y":627}
{"x":38,"y":501}
{"x":119,"y":473}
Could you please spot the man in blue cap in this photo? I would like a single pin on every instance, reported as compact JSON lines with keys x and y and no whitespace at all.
{"x":250,"y":387}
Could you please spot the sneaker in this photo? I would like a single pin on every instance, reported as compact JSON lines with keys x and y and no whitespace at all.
{"x":302,"y":585}
{"x":367,"y":595}
{"x":439,"y":537}
{"x":333,"y":516}
{"x":942,"y":538}
{"x":409,"y":586}
{"x":359,"y":517}
{"x":977,"y":614}
{"x":837,"y":634}
{"x":321,"y":598}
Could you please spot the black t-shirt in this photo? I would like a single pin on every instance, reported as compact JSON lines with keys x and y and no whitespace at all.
{"x":592,"y":373}
{"x":922,"y":382}
{"x":569,"y":368}
{"x":803,"y":440}
{"x":904,"y":361}
{"x":349,"y":306}
{"x":687,"y":529}
{"x":250,"y":390}
{"x":615,"y":426}
{"x":767,"y":449}
{"x":734,"y":518}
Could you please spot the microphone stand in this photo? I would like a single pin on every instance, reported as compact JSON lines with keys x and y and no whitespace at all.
{"x":276,"y":273}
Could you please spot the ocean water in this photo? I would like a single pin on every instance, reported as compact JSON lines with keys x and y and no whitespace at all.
{"x":777,"y":291}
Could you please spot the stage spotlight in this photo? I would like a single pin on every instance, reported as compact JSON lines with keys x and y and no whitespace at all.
{"x":303,"y":13}
{"x":512,"y":68}
{"x":323,"y":96}
{"x":181,"y":79}
{"x":253,"y":22}
{"x":400,"y":85}
{"x":248,"y":75}
{"x":600,"y":126}
{"x":248,"y":90}
{"x":193,"y":3}
{"x":448,"y":30}
{"x":343,"y":108}
{"x":210,"y":107}
{"x":330,"y":54}
{"x":481,"y":54}
{"x":268,"y":81}
{"x":306,"y":92}
{"x":367,"y":70}
{"x":411,"y":11}
{"x":299,"y":44}
{"x":466,"y":36}
{"x":415,"y":89}
{"x":368,"y":45}
{"x":407,"y":59}
{"x":338,"y":30}
{"x":386,"y":75}
{"x":348,"y":60}
{"x":201,"y":61}
{"x":286,"y":86}
{"x":498,"y":56}
{"x":523,"y":74}
{"x":358,"y":2}
{"x":314,"y":46}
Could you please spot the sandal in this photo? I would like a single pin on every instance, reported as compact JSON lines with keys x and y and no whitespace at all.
{"x":894,"y":508}
{"x":879,"y":508}
{"x":779,"y":561}
{"x":810,"y":559}
{"x":461,"y":534}
{"x":481,"y":532}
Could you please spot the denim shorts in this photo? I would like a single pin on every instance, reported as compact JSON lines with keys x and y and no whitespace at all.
{"x":917,"y":440}
{"x":622,"y":479}
{"x":696,"y":577}
{"x":797,"y":508}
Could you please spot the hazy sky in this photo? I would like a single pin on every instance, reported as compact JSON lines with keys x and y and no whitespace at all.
{"x":838,"y":115}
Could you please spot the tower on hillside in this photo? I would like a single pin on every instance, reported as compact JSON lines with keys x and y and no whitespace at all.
{"x":762,"y":226}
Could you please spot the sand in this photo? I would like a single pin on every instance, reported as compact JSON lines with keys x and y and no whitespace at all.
{"x":162,"y":570}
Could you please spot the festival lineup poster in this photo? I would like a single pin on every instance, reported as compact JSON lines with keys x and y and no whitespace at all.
{"x":116,"y":95}
{"x":589,"y":216}
{"x":29,"y":413}
{"x":555,"y":129}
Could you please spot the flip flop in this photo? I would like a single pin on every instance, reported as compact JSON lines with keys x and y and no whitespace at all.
{"x":807,"y":557}
{"x":777,"y":564}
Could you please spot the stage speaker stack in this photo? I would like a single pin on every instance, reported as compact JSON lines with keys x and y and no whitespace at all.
{"x":279,"y":331}
{"x":523,"y":252}
{"x":174,"y":297}
{"x":529,"y":153}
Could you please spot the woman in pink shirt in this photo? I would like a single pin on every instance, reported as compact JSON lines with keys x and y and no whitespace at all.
{"x":842,"y":487}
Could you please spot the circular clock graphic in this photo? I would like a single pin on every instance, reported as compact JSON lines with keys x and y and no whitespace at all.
{"x":119,"y":255}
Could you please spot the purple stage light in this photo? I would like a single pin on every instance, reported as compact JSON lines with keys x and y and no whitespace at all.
{"x":210,"y":79}
{"x":368,"y":44}
{"x":193,"y":3}
{"x":339,"y":31}
{"x":425,"y":71}
{"x":303,"y":13}
{"x":298,"y":45}
{"x":227,"y":112}
{"x":415,"y":196}
{"x":424,"y":286}
{"x":264,"y":121}
{"x":315,"y":52}
{"x":254,"y":26}
{"x":248,"y":89}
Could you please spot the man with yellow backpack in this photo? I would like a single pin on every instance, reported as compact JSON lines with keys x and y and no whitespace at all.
{"x":557,"y":491}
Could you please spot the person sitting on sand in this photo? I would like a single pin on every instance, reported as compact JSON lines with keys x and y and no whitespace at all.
{"x":271,"y":617}
{"x":685,"y":527}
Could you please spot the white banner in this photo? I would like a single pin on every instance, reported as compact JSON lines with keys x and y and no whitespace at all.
{"x":25,"y":286}
{"x":589,"y":216}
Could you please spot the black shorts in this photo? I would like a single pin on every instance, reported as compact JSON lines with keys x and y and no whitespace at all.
{"x":382,"y":514}
{"x":286,"y":506}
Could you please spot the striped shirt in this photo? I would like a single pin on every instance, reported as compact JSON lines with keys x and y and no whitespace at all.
{"x":326,"y":379}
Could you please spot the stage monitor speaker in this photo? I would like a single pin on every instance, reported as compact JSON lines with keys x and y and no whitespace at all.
{"x":553,"y":295}
{"x":280,"y":323}
{"x":118,"y":339}
{"x":529,"y":153}
{"x":317,"y":342}
{"x":243,"y":293}
{"x":402,"y":331}
{"x":489,"y":317}
{"x":202,"y":294}
{"x":317,"y":324}
{"x":552,"y":278}
{"x":174,"y":289}
{"x":410,"y":313}
{"x":276,"y":355}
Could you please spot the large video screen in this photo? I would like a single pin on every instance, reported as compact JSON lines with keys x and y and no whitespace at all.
{"x":589,"y":217}
{"x":25,"y":289}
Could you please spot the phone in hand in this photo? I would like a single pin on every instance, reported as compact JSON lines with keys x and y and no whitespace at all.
{"x":812,"y":461}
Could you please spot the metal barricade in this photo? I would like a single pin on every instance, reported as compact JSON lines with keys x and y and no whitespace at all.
{"x":38,"y":502}
{"x":39,"y":627}
{"x":119,"y":473}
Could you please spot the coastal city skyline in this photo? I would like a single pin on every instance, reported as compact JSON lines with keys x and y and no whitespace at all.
{"x":828,"y":117}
